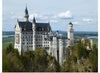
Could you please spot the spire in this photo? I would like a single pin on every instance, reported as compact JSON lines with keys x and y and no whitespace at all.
{"x":70,"y":24}
{"x":17,"y":20}
{"x":34,"y":21}
{"x":26,"y":16}
{"x":48,"y":22}
{"x":57,"y":33}
{"x":26,"y":11}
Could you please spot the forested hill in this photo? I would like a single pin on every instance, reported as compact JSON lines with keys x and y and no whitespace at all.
{"x":80,"y":60}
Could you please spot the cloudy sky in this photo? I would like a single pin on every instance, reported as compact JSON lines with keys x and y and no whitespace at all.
{"x":82,"y":13}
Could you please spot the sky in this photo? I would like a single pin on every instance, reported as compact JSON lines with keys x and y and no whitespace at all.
{"x":82,"y":13}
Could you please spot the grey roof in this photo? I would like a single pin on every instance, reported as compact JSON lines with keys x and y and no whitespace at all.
{"x":43,"y":27}
{"x":27,"y":26}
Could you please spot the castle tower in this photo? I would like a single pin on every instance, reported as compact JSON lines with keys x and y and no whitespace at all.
{"x":50,"y":34}
{"x":71,"y":33}
{"x":61,"y":51}
{"x":91,"y":43}
{"x":34,"y":33}
{"x":57,"y":33}
{"x":26,"y":16}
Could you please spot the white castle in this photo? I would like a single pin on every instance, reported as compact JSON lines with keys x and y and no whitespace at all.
{"x":32,"y":35}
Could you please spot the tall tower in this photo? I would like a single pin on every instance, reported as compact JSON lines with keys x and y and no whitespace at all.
{"x":57,"y":33}
{"x":34,"y":33}
{"x":71,"y":33}
{"x":26,"y":16}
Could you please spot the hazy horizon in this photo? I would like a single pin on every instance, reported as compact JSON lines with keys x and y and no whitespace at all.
{"x":58,"y":30}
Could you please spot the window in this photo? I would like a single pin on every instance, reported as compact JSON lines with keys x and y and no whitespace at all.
{"x":17,"y":38}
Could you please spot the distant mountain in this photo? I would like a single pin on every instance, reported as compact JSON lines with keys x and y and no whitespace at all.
{"x":79,"y":33}
{"x":8,"y":33}
{"x":76,"y":33}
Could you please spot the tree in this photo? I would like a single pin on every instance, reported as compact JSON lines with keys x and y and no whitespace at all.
{"x":52,"y":66}
{"x":11,"y":63}
{"x":10,"y":48}
{"x":93,"y":56}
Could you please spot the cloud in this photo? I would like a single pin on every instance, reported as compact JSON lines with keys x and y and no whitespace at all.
{"x":63,"y":15}
{"x":66,"y":14}
{"x":53,"y":21}
{"x":12,"y":13}
{"x":38,"y":16}
{"x":54,"y":16}
{"x":75,"y":22}
{"x":15,"y":17}
{"x":87,"y":20}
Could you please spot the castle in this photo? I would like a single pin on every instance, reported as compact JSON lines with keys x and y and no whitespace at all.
{"x":32,"y":35}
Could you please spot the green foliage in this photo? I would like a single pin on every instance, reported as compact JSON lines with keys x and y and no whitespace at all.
{"x":10,"y":48}
{"x":93,"y":57}
{"x":30,"y":61}
{"x":40,"y":61}
{"x":11,"y":63}
{"x":8,"y":39}
{"x":5,"y":45}
{"x":66,"y":67}
{"x":81,"y":50}
{"x":81,"y":59}
{"x":53,"y":66}
{"x":75,"y":59}
{"x":95,"y":41}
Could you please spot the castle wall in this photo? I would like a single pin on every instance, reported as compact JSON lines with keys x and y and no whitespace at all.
{"x":54,"y":46}
{"x":18,"y":41}
{"x":27,"y":43}
{"x":34,"y":36}
{"x":17,"y":44}
{"x":46,"y":41}
{"x":61,"y":48}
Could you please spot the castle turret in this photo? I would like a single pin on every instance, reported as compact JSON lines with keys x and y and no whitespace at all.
{"x":61,"y":51}
{"x":71,"y":33}
{"x":26,"y":16}
{"x":34,"y":33}
{"x":91,"y":43}
{"x":34,"y":21}
{"x":57,"y":33}
{"x":50,"y":34}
